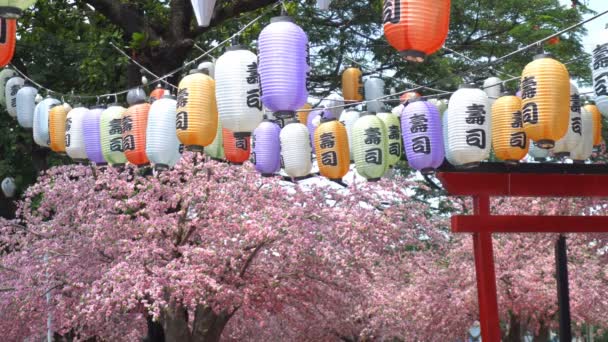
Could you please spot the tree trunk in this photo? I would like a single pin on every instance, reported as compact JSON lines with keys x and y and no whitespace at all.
{"x":515,"y":329}
{"x":155,"y":331}
{"x":175,"y":324}
{"x":208,"y":326}
{"x":542,"y":335}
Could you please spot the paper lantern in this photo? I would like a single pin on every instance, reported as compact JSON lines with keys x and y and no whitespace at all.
{"x":40,"y":127}
{"x":13,"y":9}
{"x":444,"y":124}
{"x":393,"y":130}
{"x":412,"y":95}
{"x":584,"y":149}
{"x":599,"y":68}
{"x":509,"y":140}
{"x":8,"y":39}
{"x":110,"y":134}
{"x":134,"y":124}
{"x":352,"y":84}
{"x":597,"y":122}
{"x":537,"y":153}
{"x":12,"y":88}
{"x":197,"y":118}
{"x":314,"y":120}
{"x":334,"y":104}
{"x":493,"y":88}
{"x":162,"y":145}
{"x":26,"y":104}
{"x":236,"y":147}
{"x":545,"y":105}
{"x":323,"y":4}
{"x":441,"y":105}
{"x":370,"y":147}
{"x":74,"y":137}
{"x":215,"y":150}
{"x":416,"y":28}
{"x":282,"y":47}
{"x":136,"y":95}
{"x":8,"y":187}
{"x":469,"y":123}
{"x":209,"y":67}
{"x":374,"y":88}
{"x":92,"y":135}
{"x":296,"y":152}
{"x":57,"y":118}
{"x":203,"y":11}
{"x":397,"y":110}
{"x":303,"y":113}
{"x":422,"y":136}
{"x":574,"y":135}
{"x":348,"y":119}
{"x":157,"y":94}
{"x":331,"y":146}
{"x":266,"y":145}
{"x":237,"y":90}
{"x":5,"y":75}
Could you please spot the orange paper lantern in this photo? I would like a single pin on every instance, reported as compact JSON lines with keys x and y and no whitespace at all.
{"x":237,"y":149}
{"x":134,"y":125}
{"x":157,"y":94}
{"x":8,"y":38}
{"x":409,"y":96}
{"x":331,"y":146}
{"x":352,"y":84}
{"x":303,"y":113}
{"x":597,"y":122}
{"x":57,"y":117}
{"x":509,"y":140}
{"x":416,"y":28}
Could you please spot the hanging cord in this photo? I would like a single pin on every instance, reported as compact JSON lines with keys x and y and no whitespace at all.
{"x":138,"y":64}
{"x":474,"y":61}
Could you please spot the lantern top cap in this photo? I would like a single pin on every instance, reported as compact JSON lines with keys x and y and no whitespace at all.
{"x":543,"y":55}
{"x":199,"y":71}
{"x":414,"y":99}
{"x":169,"y":96}
{"x":55,"y":105}
{"x":99,"y":106}
{"x":139,"y":101}
{"x":324,"y":119}
{"x":367,"y":113}
{"x":590,"y":102}
{"x":236,"y":47}
{"x":467,"y":86}
{"x":507,"y":93}
{"x":282,"y":18}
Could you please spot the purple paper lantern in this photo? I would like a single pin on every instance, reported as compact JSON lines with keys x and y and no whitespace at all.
{"x":282,"y":66}
{"x":92,"y":136}
{"x":422,"y":136}
{"x":266,"y":145}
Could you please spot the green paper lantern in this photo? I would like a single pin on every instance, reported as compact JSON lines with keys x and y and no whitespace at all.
{"x":370,"y":147}
{"x":110,"y":124}
{"x":216,"y":149}
{"x":393,"y":131}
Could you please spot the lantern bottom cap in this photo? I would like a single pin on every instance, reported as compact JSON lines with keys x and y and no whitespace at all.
{"x":467,"y":165}
{"x":284,"y":114}
{"x":241,"y":134}
{"x":373,"y":179}
{"x":428,"y":171}
{"x":118,"y":165}
{"x":267,"y":174}
{"x":540,"y":159}
{"x":578,"y":161}
{"x":336,"y":179}
{"x":101,"y":164}
{"x":545,"y":144}
{"x":233,"y":163}
{"x":413,"y":55}
{"x":562,"y":154}
{"x":143,"y":165}
{"x":195,"y":148}
{"x":161,"y":167}
{"x":79,"y":161}
{"x":301,"y":177}
{"x":10,"y":12}
{"x":217,"y":159}
{"x":511,"y":162}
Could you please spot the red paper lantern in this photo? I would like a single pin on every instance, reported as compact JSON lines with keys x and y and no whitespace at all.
{"x":157,"y":94}
{"x":416,"y":28}
{"x":236,"y":149}
{"x":8,"y":30}
{"x":409,"y":96}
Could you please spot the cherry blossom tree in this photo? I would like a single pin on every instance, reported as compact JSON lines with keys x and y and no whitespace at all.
{"x":184,"y":252}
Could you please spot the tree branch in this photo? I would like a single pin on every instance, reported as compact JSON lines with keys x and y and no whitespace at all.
{"x":250,"y":258}
{"x":236,"y":8}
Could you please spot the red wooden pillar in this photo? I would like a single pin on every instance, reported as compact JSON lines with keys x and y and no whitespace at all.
{"x":486,"y":276}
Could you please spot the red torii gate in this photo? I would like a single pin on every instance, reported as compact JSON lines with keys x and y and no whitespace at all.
{"x":524,"y":180}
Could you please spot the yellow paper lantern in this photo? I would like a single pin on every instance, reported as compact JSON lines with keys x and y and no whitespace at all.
{"x":197,"y":117}
{"x":597,"y":122}
{"x":331,"y":146}
{"x":545,"y":85}
{"x":303,"y":113}
{"x":509,"y":140}
{"x":57,"y":117}
{"x":352,"y":84}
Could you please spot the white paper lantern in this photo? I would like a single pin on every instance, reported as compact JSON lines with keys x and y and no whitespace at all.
{"x":162,"y":145}
{"x":537,"y":153}
{"x":203,"y":10}
{"x":493,"y":88}
{"x":41,"y":121}
{"x":374,"y":88}
{"x":210,"y":66}
{"x":237,"y":90}
{"x":398,"y":110}
{"x":584,"y":149}
{"x":599,"y":69}
{"x":348,"y":119}
{"x":333,"y":100}
{"x":8,"y":187}
{"x":574,"y":135}
{"x":10,"y":93}
{"x":5,"y":75}
{"x":469,"y":136}
{"x":444,"y":124}
{"x":74,"y":137}
{"x":323,"y":4}
{"x":441,"y":105}
{"x":26,"y":104}
{"x":296,"y":151}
